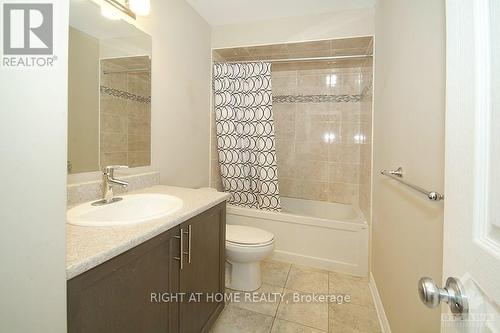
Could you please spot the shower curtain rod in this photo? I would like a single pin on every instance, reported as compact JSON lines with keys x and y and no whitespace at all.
{"x":360,"y":56}
{"x":128,"y":71}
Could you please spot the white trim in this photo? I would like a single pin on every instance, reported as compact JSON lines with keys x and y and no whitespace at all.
{"x":384,"y":322}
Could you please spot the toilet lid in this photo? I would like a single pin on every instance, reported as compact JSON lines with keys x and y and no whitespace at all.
{"x":240,"y":234}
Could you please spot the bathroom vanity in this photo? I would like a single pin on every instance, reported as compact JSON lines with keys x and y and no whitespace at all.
{"x":125,"y":279}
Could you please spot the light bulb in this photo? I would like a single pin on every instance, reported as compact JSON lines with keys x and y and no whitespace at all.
{"x":140,"y":7}
{"x":329,"y":137}
{"x":109,"y":12}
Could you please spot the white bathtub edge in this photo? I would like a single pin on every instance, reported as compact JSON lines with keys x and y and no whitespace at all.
{"x":384,"y":322}
{"x":321,"y":263}
{"x":351,"y":225}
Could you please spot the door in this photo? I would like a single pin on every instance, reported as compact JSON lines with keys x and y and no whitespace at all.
{"x":472,"y":173}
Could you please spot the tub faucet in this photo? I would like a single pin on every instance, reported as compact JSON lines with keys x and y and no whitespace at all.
{"x":109,"y":181}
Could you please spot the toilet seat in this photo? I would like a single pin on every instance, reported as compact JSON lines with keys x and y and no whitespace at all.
{"x":244,"y":236}
{"x":248,"y":245}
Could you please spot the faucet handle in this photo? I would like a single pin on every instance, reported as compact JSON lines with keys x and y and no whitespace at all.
{"x":108,"y":170}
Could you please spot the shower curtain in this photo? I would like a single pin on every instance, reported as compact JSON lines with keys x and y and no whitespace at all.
{"x":245,"y":134}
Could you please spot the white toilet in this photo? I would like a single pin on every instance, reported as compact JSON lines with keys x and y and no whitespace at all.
{"x":245,"y":248}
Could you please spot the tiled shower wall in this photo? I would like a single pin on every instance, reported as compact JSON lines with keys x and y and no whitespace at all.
{"x":319,"y":139}
{"x":323,"y":132}
{"x":125,"y":130}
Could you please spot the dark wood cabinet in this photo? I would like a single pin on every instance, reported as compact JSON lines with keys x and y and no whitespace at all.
{"x":116,"y":295}
{"x":202,"y":277}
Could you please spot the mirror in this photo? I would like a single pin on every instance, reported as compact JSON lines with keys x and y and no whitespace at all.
{"x":109,"y":91}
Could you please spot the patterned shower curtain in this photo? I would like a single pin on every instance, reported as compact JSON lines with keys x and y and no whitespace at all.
{"x":245,"y":134}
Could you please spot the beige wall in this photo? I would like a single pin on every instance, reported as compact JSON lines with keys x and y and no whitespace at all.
{"x":408,"y":132}
{"x":83,"y":102}
{"x":348,"y":23}
{"x":181,"y":87}
{"x":33,"y":128}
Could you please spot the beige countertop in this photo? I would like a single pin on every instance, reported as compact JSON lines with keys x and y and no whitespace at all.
{"x":88,"y":247}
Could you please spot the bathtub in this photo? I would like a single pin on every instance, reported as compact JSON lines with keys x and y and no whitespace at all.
{"x":326,"y":235}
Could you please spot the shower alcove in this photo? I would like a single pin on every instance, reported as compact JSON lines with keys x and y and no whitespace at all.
{"x":322,"y":112}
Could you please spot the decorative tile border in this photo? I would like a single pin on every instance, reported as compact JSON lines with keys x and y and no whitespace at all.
{"x":367,"y":92}
{"x":316,"y":98}
{"x":125,"y":95}
{"x":88,"y":191}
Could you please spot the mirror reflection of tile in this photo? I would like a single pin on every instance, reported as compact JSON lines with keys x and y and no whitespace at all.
{"x":125,"y":132}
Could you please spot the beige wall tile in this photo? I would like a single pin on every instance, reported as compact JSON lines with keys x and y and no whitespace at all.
{"x":343,"y":193}
{"x":139,"y":143}
{"x":115,"y":81}
{"x":120,"y":158}
{"x":139,"y":110}
{"x":344,"y":153}
{"x":139,"y":126}
{"x":114,"y":105}
{"x":311,"y":151}
{"x":139,"y":158}
{"x":343,"y":173}
{"x":113,"y":123}
{"x":310,"y":170}
{"x":284,"y":85}
{"x":114,"y":142}
{"x":137,"y":85}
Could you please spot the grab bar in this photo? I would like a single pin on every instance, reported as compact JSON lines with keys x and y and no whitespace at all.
{"x":398,"y":176}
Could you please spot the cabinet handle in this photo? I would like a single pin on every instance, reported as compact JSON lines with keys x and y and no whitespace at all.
{"x":189,"y":233}
{"x":181,"y":255}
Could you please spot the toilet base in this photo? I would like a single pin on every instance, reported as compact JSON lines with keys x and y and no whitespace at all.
{"x":245,"y":276}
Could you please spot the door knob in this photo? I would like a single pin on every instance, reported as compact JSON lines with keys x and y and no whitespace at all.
{"x":452,"y":294}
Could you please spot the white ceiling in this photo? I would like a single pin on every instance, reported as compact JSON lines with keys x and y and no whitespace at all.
{"x":221,"y":12}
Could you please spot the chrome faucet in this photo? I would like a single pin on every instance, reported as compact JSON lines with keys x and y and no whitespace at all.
{"x":109,"y":181}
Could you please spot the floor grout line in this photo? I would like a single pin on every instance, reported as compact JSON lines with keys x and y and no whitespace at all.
{"x":300,"y":324}
{"x":280,"y":302}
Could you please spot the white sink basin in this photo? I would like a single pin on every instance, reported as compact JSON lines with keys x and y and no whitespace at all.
{"x":133,"y":209}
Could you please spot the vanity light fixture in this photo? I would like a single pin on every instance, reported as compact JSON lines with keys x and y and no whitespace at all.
{"x":114,"y":9}
{"x":140,"y":7}
{"x":109,"y":12}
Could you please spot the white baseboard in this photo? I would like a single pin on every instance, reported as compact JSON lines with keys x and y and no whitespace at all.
{"x":384,"y":323}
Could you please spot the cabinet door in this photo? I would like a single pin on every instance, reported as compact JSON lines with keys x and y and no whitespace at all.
{"x":174,"y":280}
{"x":205,"y":273}
{"x":116,"y":295}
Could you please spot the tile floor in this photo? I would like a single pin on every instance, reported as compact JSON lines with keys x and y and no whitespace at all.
{"x":285,"y":315}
